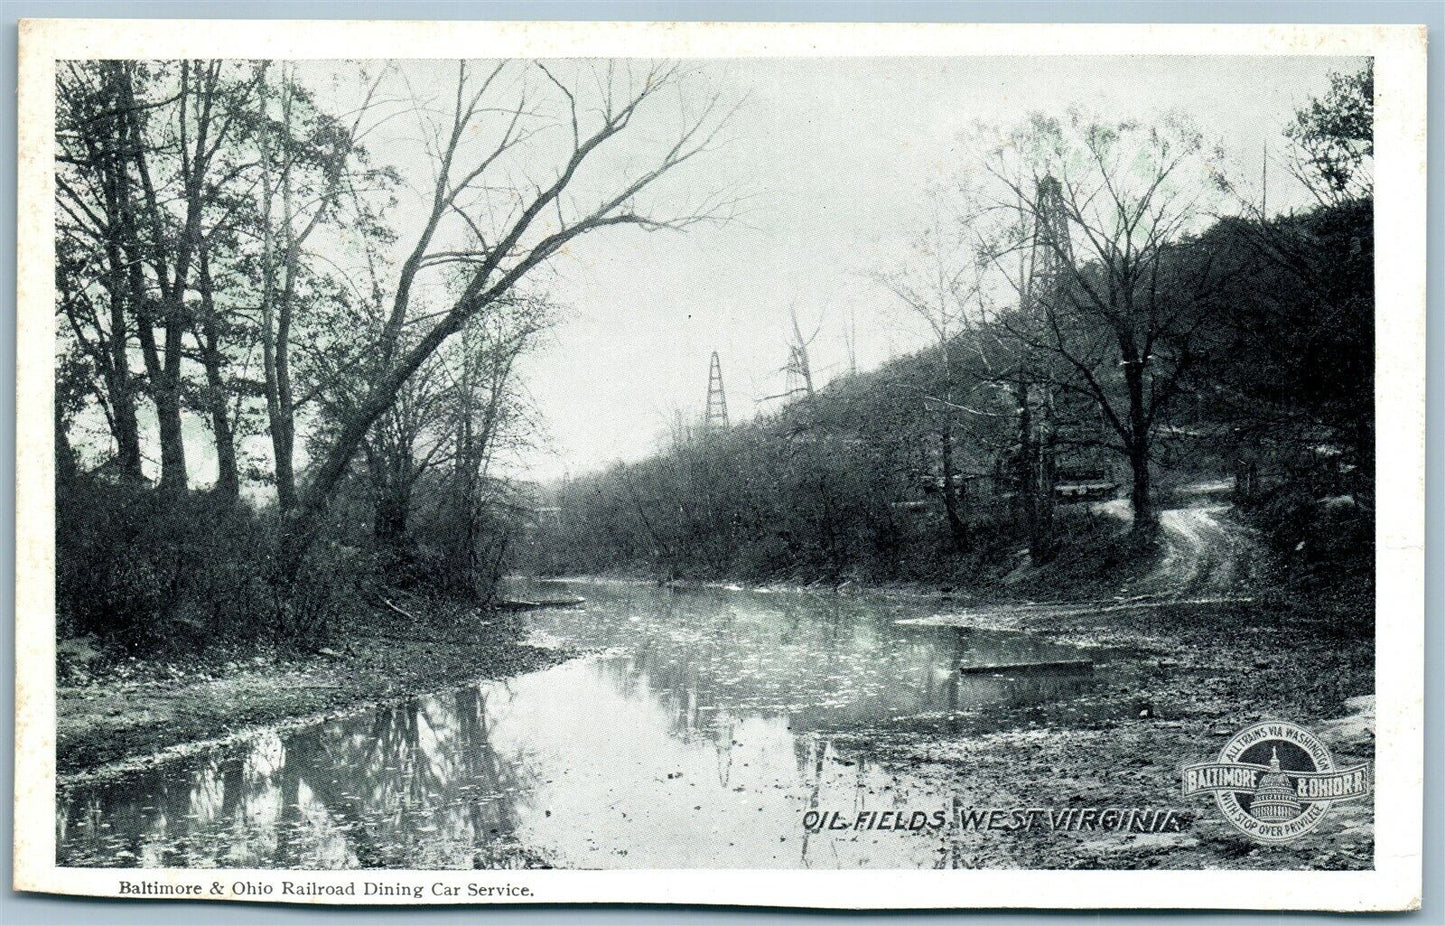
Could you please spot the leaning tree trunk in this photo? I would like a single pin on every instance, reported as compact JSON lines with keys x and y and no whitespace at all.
{"x":301,"y":523}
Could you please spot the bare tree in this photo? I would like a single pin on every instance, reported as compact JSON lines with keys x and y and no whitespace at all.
{"x":205,"y":116}
{"x":941,"y":284}
{"x":486,"y":414}
{"x":1117,"y":325}
{"x":799,"y":363}
{"x":497,"y":131}
{"x":850,"y":340}
{"x":309,"y":164}
{"x":798,"y":371}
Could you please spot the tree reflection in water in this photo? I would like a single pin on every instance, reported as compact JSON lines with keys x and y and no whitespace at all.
{"x":416,"y":784}
{"x":710,"y":723}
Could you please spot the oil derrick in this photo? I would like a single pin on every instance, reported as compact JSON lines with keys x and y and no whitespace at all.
{"x":799,"y":376}
{"x":798,"y":371}
{"x":716,"y":417}
{"x":681,"y":430}
{"x":1049,"y":258}
{"x":1051,"y":255}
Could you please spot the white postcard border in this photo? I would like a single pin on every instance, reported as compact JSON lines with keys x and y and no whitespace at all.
{"x":1400,"y":409}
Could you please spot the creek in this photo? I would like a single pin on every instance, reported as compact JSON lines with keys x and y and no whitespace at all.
{"x":699,"y":729}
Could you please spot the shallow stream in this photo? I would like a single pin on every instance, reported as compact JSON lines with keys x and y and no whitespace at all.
{"x":698,"y":731}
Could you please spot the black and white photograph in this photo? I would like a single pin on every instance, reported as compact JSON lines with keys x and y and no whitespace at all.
{"x":964,"y":462}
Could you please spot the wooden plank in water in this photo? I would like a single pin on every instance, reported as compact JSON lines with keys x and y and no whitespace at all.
{"x":1058,"y":665}
{"x":545,"y":603}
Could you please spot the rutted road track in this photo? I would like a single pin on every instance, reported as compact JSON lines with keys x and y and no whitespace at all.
{"x":1205,"y":558}
{"x":1203,"y":553}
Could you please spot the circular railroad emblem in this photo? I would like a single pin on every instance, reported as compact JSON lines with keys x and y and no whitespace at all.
{"x":1275,"y":781}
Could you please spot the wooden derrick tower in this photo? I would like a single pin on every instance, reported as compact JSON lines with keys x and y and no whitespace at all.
{"x":1049,"y":259}
{"x":1050,"y":253}
{"x":716,"y":417}
{"x":799,"y":374}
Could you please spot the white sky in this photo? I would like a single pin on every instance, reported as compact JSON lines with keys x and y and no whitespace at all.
{"x":836,"y":154}
{"x":839,"y":152}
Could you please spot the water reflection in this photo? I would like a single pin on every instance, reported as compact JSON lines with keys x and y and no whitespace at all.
{"x":829,"y":662}
{"x":417,"y":784}
{"x":707,"y":727}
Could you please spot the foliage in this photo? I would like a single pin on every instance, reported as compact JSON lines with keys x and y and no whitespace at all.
{"x":1333,"y":139}
{"x":225,"y":255}
{"x":1290,"y":372}
{"x":847,"y":483}
{"x":138,"y":570}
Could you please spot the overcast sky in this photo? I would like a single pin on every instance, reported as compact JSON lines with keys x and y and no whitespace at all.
{"x":838,"y":153}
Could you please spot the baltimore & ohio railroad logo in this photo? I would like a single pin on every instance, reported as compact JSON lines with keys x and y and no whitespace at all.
{"x":1275,"y":781}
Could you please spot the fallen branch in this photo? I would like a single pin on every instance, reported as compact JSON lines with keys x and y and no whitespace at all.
{"x":519,"y":605}
{"x":404,"y":613}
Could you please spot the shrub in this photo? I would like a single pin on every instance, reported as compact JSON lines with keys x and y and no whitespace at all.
{"x":141,"y":570}
{"x":1325,"y":554}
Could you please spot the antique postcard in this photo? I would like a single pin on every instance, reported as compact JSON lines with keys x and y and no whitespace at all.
{"x":852,"y":466}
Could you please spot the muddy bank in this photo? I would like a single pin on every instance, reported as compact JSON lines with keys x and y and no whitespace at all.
{"x":130,"y":711}
{"x":1198,"y":675}
{"x":705,"y":704}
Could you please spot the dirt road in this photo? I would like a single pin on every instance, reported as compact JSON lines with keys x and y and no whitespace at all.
{"x":1206,"y":557}
{"x":1205,"y":553}
{"x":1188,"y":654}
